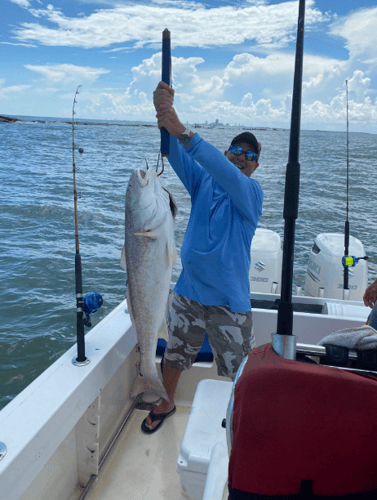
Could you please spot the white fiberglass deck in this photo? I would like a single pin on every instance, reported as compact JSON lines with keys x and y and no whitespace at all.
{"x":141,"y":466}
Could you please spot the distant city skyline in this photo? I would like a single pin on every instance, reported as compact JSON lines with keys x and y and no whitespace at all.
{"x":232,"y":60}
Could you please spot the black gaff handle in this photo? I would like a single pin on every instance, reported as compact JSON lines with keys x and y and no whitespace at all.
{"x":292,"y":187}
{"x":166,"y":75}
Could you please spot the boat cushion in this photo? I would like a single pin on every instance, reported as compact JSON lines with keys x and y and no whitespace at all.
{"x":205,"y":353}
{"x":296,"y":422}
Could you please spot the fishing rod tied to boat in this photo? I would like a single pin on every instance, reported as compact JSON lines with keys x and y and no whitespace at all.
{"x":348,"y":260}
{"x":93,"y":300}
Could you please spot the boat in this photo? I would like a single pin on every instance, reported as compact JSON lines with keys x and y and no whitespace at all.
{"x":74,"y":432}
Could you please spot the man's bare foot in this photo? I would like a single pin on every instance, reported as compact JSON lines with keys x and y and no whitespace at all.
{"x":163,"y":407}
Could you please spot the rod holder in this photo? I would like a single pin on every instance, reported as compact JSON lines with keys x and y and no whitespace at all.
{"x":298,"y":291}
{"x":80,"y":363}
{"x":284,"y":345}
{"x":321,"y":292}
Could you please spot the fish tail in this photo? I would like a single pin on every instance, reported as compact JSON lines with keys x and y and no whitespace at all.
{"x":149,"y":385}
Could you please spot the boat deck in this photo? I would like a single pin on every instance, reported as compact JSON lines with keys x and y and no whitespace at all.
{"x":141,"y":466}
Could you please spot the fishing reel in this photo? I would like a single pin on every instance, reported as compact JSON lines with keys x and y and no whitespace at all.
{"x":92,"y":302}
{"x":351,"y":261}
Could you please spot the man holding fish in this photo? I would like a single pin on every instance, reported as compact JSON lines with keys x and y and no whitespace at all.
{"x":212,"y":293}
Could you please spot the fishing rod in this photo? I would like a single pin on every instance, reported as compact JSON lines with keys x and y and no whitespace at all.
{"x":81,"y":358}
{"x":166,"y":78}
{"x":347,"y":260}
{"x":347,"y":224}
{"x":92,"y":301}
{"x":284,"y":345}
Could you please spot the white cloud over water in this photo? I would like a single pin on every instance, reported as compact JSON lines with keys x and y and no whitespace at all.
{"x":68,"y":73}
{"x":268,"y":26}
{"x":233,"y":61}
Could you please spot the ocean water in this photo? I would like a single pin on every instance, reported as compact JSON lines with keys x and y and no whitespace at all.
{"x":37,"y":243}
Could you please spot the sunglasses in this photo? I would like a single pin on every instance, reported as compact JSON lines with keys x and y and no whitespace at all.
{"x":238,"y":150}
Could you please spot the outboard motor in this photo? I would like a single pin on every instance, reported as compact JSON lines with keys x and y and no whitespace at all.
{"x":324,"y":274}
{"x":265,"y":262}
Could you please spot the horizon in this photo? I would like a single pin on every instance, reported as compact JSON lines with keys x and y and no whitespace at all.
{"x":68,"y":120}
{"x":232,"y":60}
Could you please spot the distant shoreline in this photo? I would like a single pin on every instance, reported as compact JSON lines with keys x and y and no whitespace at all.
{"x":8,"y":119}
{"x":11,"y":119}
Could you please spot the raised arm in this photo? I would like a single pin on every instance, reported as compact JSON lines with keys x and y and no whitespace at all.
{"x":245,"y":192}
{"x":187,"y":169}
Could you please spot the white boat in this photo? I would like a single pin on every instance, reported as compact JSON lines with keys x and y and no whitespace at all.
{"x":56,"y":433}
{"x":74,"y":432}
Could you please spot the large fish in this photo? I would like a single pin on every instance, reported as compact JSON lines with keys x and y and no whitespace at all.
{"x":148,"y":255}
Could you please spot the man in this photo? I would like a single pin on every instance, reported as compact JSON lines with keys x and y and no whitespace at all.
{"x":370,"y":299}
{"x":212,"y":293}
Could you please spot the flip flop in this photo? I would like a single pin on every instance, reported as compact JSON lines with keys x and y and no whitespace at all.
{"x":154,"y":417}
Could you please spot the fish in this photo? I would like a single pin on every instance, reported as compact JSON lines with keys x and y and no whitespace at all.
{"x":149,"y":255}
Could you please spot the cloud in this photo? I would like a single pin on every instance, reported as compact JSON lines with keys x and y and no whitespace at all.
{"x":194,"y":25}
{"x":5,"y":91}
{"x":131,"y":107}
{"x":21,"y":44}
{"x":68,"y":73}
{"x":359,"y":31}
{"x":21,"y":3}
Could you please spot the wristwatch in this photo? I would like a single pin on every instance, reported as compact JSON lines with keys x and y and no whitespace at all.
{"x":184,"y":137}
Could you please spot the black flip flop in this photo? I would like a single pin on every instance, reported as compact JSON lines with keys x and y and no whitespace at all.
{"x":154,"y":417}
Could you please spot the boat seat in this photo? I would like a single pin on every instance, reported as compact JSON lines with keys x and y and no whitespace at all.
{"x":302,"y":431}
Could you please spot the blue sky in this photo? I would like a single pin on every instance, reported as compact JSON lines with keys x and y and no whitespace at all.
{"x":232,"y":60}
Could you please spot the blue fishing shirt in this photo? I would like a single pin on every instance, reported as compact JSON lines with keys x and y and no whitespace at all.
{"x":225,"y":209}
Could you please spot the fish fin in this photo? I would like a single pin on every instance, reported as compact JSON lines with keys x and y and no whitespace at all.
{"x":123,"y":258}
{"x":148,"y":385}
{"x":172,"y":203}
{"x":129,"y":307}
{"x":171,"y":254}
{"x":148,"y":234}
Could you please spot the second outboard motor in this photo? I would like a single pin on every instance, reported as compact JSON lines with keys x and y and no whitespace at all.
{"x":324,"y":274}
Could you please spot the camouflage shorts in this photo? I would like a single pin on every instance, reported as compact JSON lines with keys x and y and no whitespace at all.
{"x":230,"y":335}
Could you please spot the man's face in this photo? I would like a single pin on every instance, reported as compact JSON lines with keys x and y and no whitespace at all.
{"x":247,"y":167}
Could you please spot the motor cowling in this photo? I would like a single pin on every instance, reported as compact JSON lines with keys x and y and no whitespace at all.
{"x":325,"y":270}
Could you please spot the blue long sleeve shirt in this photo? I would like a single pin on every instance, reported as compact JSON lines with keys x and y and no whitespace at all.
{"x":226,"y":207}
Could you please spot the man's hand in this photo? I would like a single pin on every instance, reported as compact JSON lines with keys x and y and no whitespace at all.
{"x":163,"y":98}
{"x":370,"y":294}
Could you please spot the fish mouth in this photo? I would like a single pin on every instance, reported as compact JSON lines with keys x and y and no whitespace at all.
{"x":143,"y":177}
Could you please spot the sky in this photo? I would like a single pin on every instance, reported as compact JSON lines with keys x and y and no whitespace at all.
{"x":232,"y":61}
